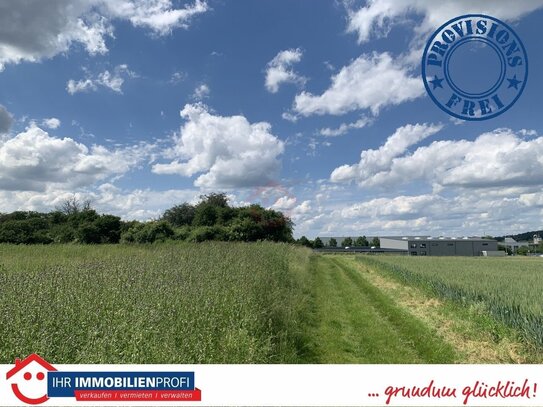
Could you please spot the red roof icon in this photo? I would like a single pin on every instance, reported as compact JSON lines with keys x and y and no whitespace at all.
{"x":22,"y":364}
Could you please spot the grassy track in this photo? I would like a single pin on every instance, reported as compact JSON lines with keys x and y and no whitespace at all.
{"x":354,"y":322}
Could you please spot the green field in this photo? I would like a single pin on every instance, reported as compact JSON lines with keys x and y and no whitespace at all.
{"x":168,"y":303}
{"x":263,"y":303}
{"x":509,"y":289}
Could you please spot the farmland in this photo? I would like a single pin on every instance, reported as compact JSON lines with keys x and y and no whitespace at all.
{"x":507,"y":289}
{"x":219,"y":302}
{"x":169,"y":303}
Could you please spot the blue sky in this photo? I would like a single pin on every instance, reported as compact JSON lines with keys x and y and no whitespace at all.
{"x":315,"y":108}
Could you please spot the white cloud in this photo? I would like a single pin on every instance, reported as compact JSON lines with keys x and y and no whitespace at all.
{"x":289,"y":117}
{"x":374,"y":162}
{"x":140,"y":204}
{"x":345,"y":127}
{"x":157,"y":15}
{"x":51,"y":123}
{"x":34,"y":30}
{"x":35,"y":161}
{"x":111,"y":80}
{"x":201,"y":92}
{"x":500,"y":158}
{"x":284,"y":203}
{"x":279,"y":70}
{"x":228,"y":151}
{"x":456,"y":212}
{"x":376,"y":18}
{"x":369,"y":82}
{"x":396,"y":207}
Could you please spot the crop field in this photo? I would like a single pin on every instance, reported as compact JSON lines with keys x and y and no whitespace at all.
{"x":168,"y":303}
{"x":219,"y":302}
{"x":510,"y":289}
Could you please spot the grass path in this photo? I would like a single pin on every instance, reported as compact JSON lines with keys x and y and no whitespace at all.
{"x":354,"y":322}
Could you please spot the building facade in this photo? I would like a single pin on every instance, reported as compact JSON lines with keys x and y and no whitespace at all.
{"x":440,"y":246}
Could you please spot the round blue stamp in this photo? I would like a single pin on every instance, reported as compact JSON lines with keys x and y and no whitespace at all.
{"x":474,"y":67}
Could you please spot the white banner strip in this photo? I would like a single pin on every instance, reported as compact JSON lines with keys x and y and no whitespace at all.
{"x":289,"y":385}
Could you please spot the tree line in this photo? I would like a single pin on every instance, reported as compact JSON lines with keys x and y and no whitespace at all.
{"x":212,"y":218}
{"x":361,"y":241}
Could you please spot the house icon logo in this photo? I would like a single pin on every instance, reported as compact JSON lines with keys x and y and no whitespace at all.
{"x":29,"y":379}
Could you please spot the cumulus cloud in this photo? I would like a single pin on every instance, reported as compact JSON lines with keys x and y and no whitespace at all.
{"x":32,"y":30}
{"x":51,"y":123}
{"x":158,"y":15}
{"x":228,"y":151}
{"x":112,"y":80}
{"x":501,"y":158}
{"x":35,"y":161}
{"x":345,"y":127}
{"x":372,"y":81}
{"x":141,"y":204}
{"x":459,"y":212}
{"x":375,"y":19}
{"x":397,"y":207}
{"x":129,"y":204}
{"x":6,"y":120}
{"x":279,"y":70}
{"x":284,"y":203}
{"x":373,"y":162}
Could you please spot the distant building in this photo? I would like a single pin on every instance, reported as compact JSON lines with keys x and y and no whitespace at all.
{"x":514,"y":245}
{"x":440,"y":246}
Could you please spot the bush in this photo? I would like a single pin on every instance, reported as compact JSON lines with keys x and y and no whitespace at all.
{"x":148,"y":233}
{"x":203,"y":233}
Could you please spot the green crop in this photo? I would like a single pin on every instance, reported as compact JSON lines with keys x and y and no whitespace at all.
{"x":509,"y":289}
{"x":169,"y":303}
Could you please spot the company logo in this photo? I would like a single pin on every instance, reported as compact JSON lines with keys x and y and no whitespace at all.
{"x":28,"y":379}
{"x":474,"y":67}
{"x":34,"y":381}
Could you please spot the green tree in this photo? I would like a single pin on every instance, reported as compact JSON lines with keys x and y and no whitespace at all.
{"x":523,"y":250}
{"x":332,"y":242}
{"x":304,"y":241}
{"x":347,"y":242}
{"x":109,"y":228}
{"x":214,"y":199}
{"x":376,"y":242}
{"x":362,"y":241}
{"x":318,"y":244}
{"x":180,"y":215}
{"x":205,"y":215}
{"x":88,"y":233}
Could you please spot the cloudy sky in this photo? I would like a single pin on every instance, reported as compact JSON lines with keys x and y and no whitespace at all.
{"x":313,"y":107}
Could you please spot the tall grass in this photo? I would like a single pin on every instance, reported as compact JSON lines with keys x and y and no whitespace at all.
{"x":511,"y":290}
{"x":170,"y":303}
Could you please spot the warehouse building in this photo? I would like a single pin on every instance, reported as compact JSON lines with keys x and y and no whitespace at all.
{"x":440,"y":246}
